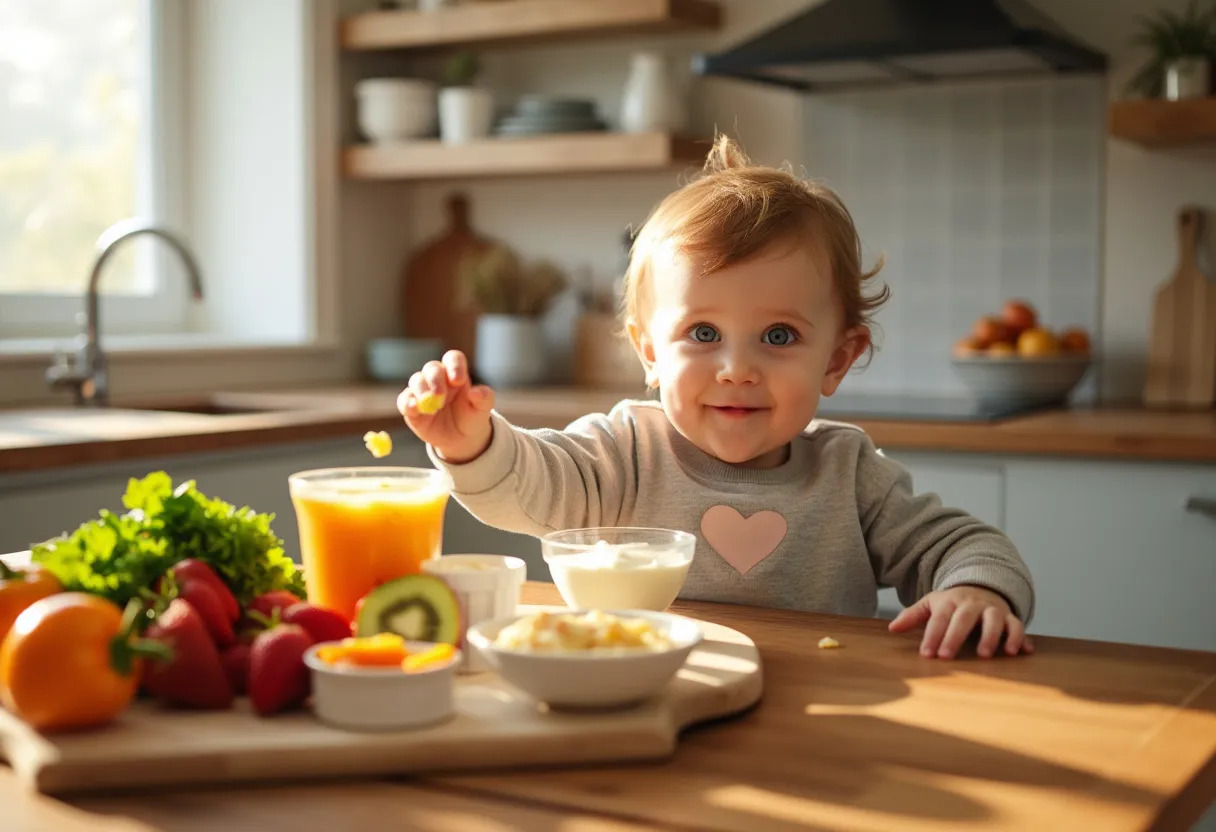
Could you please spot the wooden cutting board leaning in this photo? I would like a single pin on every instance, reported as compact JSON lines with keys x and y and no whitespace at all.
{"x":1182,"y":345}
{"x":436,"y":305}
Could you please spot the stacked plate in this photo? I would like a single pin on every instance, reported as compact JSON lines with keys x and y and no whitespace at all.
{"x":536,"y":114}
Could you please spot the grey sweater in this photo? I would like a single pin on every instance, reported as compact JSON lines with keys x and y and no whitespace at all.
{"x":823,"y":531}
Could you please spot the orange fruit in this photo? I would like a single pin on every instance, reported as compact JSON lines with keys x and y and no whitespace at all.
{"x":1075,"y":340}
{"x":989,"y":330}
{"x":1002,"y":349}
{"x":1037,"y":343}
{"x":967,"y":347}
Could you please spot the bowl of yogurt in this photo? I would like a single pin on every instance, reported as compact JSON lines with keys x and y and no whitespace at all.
{"x":618,"y":567}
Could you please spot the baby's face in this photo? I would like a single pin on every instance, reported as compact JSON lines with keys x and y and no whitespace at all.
{"x":742,"y":355}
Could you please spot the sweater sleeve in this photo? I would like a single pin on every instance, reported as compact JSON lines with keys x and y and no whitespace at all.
{"x":918,"y":545}
{"x":537,"y":481}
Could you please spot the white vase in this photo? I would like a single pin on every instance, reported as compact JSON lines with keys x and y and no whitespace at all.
{"x":465,"y":114}
{"x":510,"y":351}
{"x":648,"y":103}
{"x":1188,"y":78}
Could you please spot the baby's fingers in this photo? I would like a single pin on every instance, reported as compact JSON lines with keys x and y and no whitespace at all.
{"x":994,"y":622}
{"x":961,"y":625}
{"x":1016,"y":638}
{"x":936,"y":629}
{"x":457,"y":367}
{"x":436,"y":377}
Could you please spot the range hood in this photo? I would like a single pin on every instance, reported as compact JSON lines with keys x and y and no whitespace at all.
{"x":850,"y":44}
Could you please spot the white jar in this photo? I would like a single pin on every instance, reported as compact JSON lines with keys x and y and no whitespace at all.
{"x":485,"y":586}
{"x":648,"y":103}
{"x":465,"y":114}
{"x":510,"y":350}
{"x":393,"y":109}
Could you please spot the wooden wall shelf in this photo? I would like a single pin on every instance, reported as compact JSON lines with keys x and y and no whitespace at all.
{"x":1164,"y":124}
{"x":551,"y":154}
{"x":516,"y":21}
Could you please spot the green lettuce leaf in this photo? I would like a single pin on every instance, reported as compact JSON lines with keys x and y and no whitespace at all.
{"x":118,"y":555}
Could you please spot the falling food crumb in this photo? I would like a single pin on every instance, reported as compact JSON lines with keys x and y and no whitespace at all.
{"x":430,"y":403}
{"x":827,"y":643}
{"x":378,"y":442}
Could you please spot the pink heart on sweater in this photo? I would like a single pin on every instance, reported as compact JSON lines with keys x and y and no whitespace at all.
{"x":742,"y":541}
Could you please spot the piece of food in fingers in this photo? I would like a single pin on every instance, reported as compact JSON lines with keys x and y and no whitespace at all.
{"x":430,"y":403}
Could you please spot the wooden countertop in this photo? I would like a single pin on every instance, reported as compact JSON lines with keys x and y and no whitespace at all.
{"x":38,"y":439}
{"x":1081,"y":735}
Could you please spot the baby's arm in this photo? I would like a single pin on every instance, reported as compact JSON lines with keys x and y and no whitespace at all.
{"x":920,"y":546}
{"x":537,"y":481}
{"x":529,"y":482}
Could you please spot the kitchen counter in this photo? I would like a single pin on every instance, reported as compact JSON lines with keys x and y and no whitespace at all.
{"x":38,"y":439}
{"x":1081,"y":735}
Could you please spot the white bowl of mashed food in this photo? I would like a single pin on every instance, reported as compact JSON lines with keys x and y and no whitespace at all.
{"x":587,"y":658}
{"x":618,"y":568}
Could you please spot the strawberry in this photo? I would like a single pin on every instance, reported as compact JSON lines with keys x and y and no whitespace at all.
{"x":278,"y":677}
{"x":321,"y":623}
{"x":235,"y":658}
{"x":193,"y":569}
{"x":268,"y":602}
{"x":207,"y":602}
{"x":194,"y":677}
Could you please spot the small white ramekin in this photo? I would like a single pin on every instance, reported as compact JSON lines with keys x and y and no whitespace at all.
{"x":381,"y":698}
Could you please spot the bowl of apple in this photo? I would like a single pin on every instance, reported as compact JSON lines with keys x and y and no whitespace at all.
{"x":1013,"y":360}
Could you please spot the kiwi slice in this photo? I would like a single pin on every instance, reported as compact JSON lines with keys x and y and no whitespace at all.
{"x":415,"y":607}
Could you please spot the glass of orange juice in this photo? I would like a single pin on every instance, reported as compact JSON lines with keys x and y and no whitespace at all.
{"x":362,"y":527}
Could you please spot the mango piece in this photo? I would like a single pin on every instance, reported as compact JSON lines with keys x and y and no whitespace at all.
{"x":430,"y":403}
{"x":439,"y":654}
{"x":379,"y":443}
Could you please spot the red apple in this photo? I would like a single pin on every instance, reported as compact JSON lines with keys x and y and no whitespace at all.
{"x":988,"y":331}
{"x":1018,"y":316}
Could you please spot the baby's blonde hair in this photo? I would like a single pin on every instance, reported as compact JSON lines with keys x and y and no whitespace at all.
{"x":736,"y":210}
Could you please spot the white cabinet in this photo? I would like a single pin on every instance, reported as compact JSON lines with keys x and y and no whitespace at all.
{"x":1114,"y":551}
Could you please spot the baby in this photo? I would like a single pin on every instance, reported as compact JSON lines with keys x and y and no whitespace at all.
{"x":746,"y":301}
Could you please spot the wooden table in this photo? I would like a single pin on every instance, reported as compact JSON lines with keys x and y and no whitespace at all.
{"x":1082,"y":735}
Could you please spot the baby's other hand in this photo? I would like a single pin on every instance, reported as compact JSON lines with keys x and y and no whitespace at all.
{"x":446,"y":410}
{"x":951,"y":614}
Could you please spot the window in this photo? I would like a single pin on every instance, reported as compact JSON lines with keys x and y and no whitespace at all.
{"x":87,"y":130}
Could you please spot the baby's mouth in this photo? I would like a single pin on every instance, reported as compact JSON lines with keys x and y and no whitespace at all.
{"x":736,"y":411}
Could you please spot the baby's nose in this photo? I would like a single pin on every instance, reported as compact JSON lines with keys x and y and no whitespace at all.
{"x":738,"y":367}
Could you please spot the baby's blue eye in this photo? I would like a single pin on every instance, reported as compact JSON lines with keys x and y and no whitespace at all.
{"x":704,"y":333}
{"x":780,"y":336}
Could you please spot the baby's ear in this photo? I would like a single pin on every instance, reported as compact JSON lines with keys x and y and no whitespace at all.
{"x":852,"y":343}
{"x":644,"y":347}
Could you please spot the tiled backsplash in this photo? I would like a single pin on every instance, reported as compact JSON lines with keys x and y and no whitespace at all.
{"x":974,"y":193}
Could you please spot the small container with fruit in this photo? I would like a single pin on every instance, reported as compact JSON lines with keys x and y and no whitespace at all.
{"x":1012,"y":360}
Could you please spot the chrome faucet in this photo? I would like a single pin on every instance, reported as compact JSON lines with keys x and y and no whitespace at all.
{"x":87,"y":376}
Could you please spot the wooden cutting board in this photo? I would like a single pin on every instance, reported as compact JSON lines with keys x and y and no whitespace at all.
{"x":494,"y":727}
{"x":1182,"y":346}
{"x":435,"y":304}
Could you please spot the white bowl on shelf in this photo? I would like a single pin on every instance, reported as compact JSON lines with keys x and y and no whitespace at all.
{"x":396,"y":109}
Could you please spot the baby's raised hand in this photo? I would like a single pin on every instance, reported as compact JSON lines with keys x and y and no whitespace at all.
{"x":951,"y":614}
{"x":446,"y":410}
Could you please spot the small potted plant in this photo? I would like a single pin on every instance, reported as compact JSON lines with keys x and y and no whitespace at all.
{"x":1182,"y":46}
{"x":466,"y":111}
{"x":512,"y":297}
